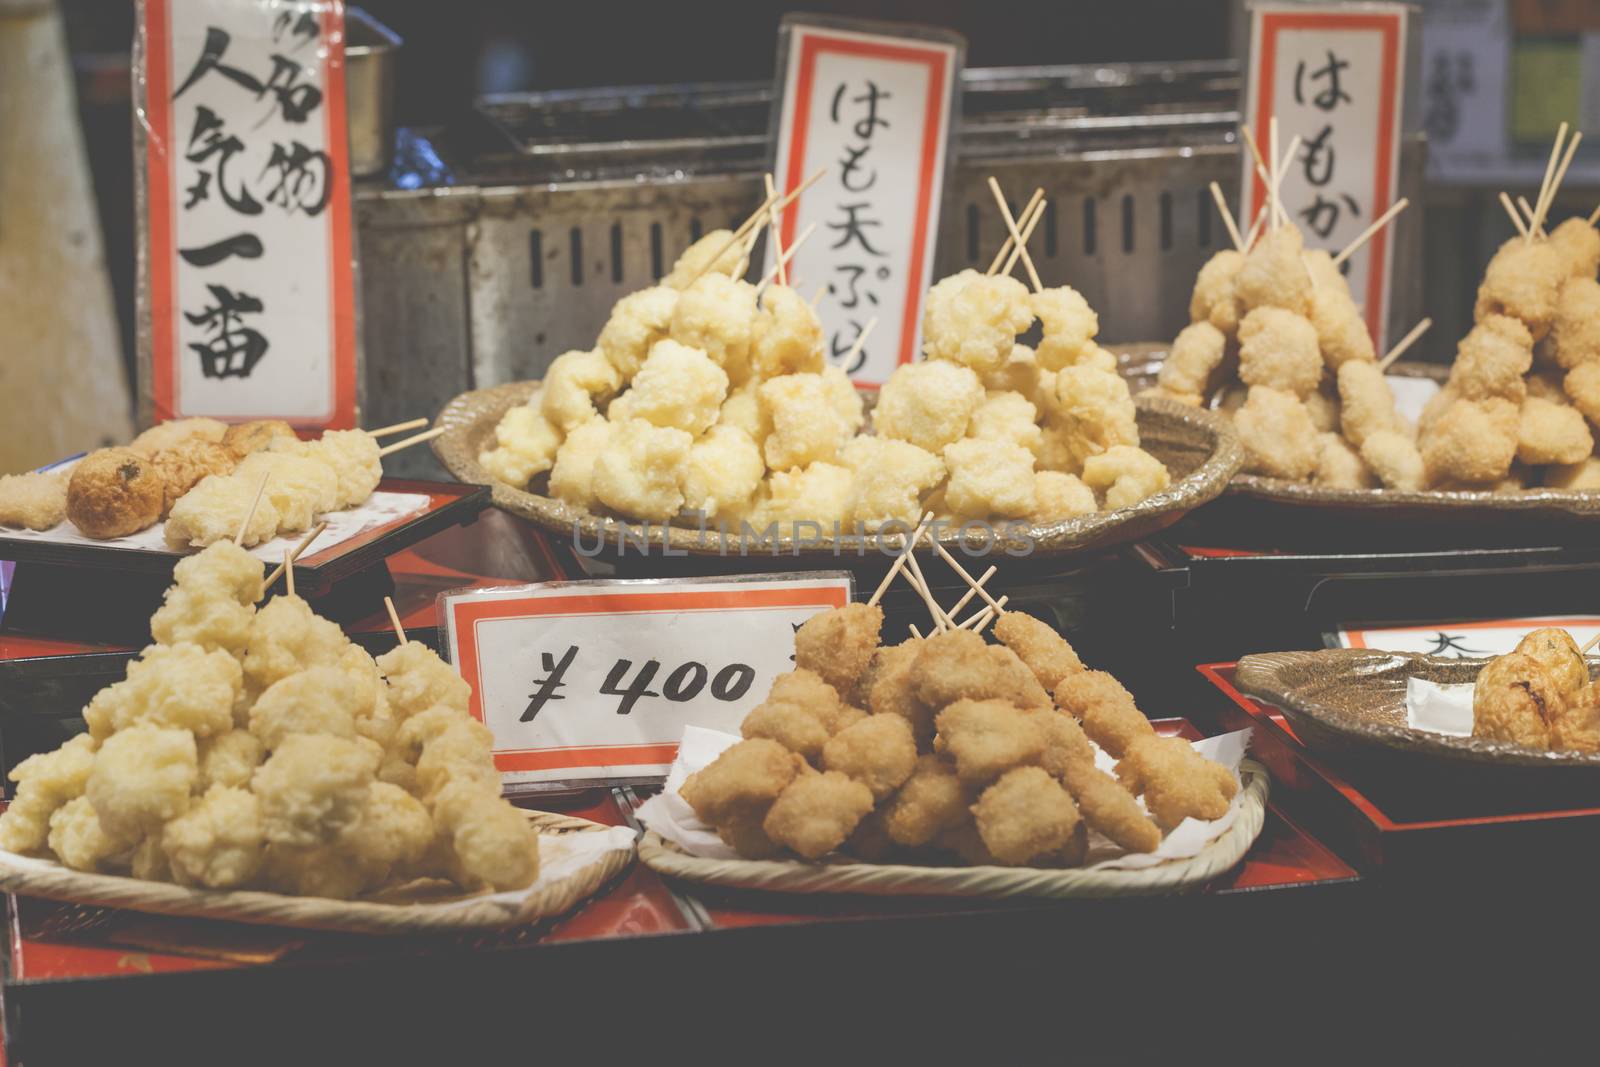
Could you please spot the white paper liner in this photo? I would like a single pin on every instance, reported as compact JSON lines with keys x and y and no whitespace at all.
{"x":379,"y":510}
{"x":560,"y":855}
{"x":669,"y":815}
{"x":1439,"y":709}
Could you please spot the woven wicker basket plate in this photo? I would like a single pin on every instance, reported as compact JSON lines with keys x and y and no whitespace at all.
{"x":1354,"y":700}
{"x":793,"y":876}
{"x":391,"y":915}
{"x":1198,"y":447}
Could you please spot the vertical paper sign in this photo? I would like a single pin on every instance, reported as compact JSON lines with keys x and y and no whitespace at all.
{"x":872,"y":107}
{"x":1335,"y":76}
{"x":595,"y":681}
{"x":248,"y":293}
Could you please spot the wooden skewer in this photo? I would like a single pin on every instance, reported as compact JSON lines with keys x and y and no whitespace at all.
{"x":399,"y":427}
{"x":1549,"y":172}
{"x":409,"y":441}
{"x":1595,"y":640}
{"x":956,"y":566}
{"x":787,"y":256}
{"x":1516,"y":216}
{"x":775,"y":230}
{"x":816,"y":297}
{"x":1371,"y":231}
{"x":1283,"y":172}
{"x":1272,"y":162}
{"x":989,"y":615}
{"x":244,"y":524}
{"x":1255,"y":151}
{"x":1255,"y":227}
{"x":1561,"y":175}
{"x":914,"y":631}
{"x":1016,"y":234}
{"x":914,"y":571}
{"x":1594,"y":216}
{"x":394,"y":618}
{"x":760,"y":213}
{"x":294,"y":554}
{"x":900,"y":560}
{"x":1027,"y":233}
{"x":1527,"y":208}
{"x":1405,"y":342}
{"x":1227,"y":217}
{"x":861,"y":340}
{"x":955,"y":609}
{"x":1006,"y":245}
{"x":288,"y":570}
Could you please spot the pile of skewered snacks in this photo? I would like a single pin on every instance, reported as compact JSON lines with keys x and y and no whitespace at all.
{"x":707,"y":396}
{"x":1539,"y":696}
{"x":203,"y":477}
{"x":262,"y":749}
{"x":948,"y":749}
{"x":1310,"y":400}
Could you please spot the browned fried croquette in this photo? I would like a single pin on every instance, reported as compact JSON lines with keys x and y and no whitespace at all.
{"x":1024,"y":815}
{"x":745,"y":777}
{"x":114,"y":492}
{"x":838,"y":643}
{"x":817,"y":813}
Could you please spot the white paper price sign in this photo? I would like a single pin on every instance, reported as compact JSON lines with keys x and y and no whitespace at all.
{"x":1335,"y":76}
{"x":1465,"y":640}
{"x":595,"y":681}
{"x":873,"y":110}
{"x":248,"y":295}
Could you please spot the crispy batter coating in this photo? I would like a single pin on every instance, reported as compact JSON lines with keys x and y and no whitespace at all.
{"x":960,"y":665}
{"x":637,"y":322}
{"x":317,"y":700}
{"x":1394,"y":458}
{"x":572,"y":477}
{"x":491,"y":843}
{"x":797,"y":727}
{"x":1578,"y":245}
{"x":1582,"y":387}
{"x":1007,"y":416}
{"x":1340,"y":466}
{"x":743,"y":833}
{"x":1024,"y":815}
{"x":878,"y":751}
{"x":639,"y":472}
{"x":743,"y":410}
{"x":1274,"y":273}
{"x":1473,"y":441}
{"x":1065,"y":741}
{"x":1549,"y":431}
{"x":33,"y":501}
{"x":464,"y":749}
{"x":1576,"y":728}
{"x":575,"y":384}
{"x":717,"y":315}
{"x":113,"y":492}
{"x":80,"y":841}
{"x":353,"y":455}
{"x":1521,"y":281}
{"x":973,"y":320}
{"x":313,"y":786}
{"x":1576,"y":329}
{"x":175,"y":432}
{"x":393,"y":832}
{"x":229,"y":759}
{"x":838,"y":643}
{"x":179,"y":686}
{"x":989,"y":477}
{"x":182,"y":466}
{"x":1492,"y":360}
{"x":889,"y":480}
{"x":1095,"y":406}
{"x":526,"y":444}
{"x":218,"y":842}
{"x":723,"y":473}
{"x":746,"y":776}
{"x":214,"y":509}
{"x":930,"y":802}
{"x":1022,"y":688}
{"x":45,"y":782}
{"x":142,"y":776}
{"x":1214,"y":299}
{"x":1279,"y":438}
{"x":1058,"y":495}
{"x":1068,"y":324}
{"x":1555,"y":649}
{"x":680,"y":387}
{"x":806,"y":428}
{"x":894,"y":690}
{"x":1196,"y":354}
{"x":1323,"y":406}
{"x":258,"y":435}
{"x":819,"y":493}
{"x":929,"y":404}
{"x":1108,"y":807}
{"x":286,"y":636}
{"x":418,"y":680}
{"x":1341,"y":331}
{"x":1436,"y":406}
{"x":817,"y":812}
{"x":986,"y":738}
{"x":1366,"y":403}
{"x":1278,"y":348}
{"x":1177,"y":782}
{"x":1585,"y":475}
{"x":299,"y":487}
{"x":1123,"y":475}
{"x":843,"y":398}
{"x":1106,"y":710}
{"x":696,"y":259}
{"x":1516,"y":699}
{"x":212,"y":599}
{"x":786,"y":337}
{"x":1046,"y":653}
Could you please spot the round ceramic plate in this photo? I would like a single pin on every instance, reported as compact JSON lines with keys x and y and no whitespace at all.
{"x":1354,"y":700}
{"x":1198,"y":447}
{"x":1141,"y":364}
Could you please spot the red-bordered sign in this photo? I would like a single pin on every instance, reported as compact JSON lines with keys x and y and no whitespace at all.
{"x":880,"y":104}
{"x":311,"y":379}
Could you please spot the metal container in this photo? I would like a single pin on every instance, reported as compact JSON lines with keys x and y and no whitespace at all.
{"x":539,"y":215}
{"x":370,"y":53}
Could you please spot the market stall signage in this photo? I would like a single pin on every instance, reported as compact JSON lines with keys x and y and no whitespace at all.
{"x":1475,"y":639}
{"x":247,"y":283}
{"x":595,"y":681}
{"x":1334,"y":75}
{"x":872,"y":109}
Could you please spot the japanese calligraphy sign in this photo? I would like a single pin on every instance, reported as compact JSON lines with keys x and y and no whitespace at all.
{"x":1464,"y":640}
{"x":871,"y":106}
{"x":247,"y":281}
{"x":1334,"y":75}
{"x":595,"y":681}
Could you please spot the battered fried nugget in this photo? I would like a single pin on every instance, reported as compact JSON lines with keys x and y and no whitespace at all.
{"x":142,"y":777}
{"x":805,"y":427}
{"x":318,"y":871}
{"x":1394,"y":458}
{"x":1068,"y":326}
{"x":1323,"y":406}
{"x":1278,"y":435}
{"x":637,"y":322}
{"x":1007,"y":416}
{"x":786,"y":337}
{"x":572,"y":477}
{"x":743,"y":833}
{"x":838,"y":643}
{"x":45,"y":782}
{"x":973,"y":319}
{"x":1576,"y":728}
{"x":1057,"y":496}
{"x":1123,"y":475}
{"x":817,"y":812}
{"x":179,"y":686}
{"x":463,"y":750}
{"x":1176,"y":781}
{"x":418,"y":680}
{"x":1095,"y":405}
{"x":1552,"y":432}
{"x":299,"y":487}
{"x":878,"y":752}
{"x":1021,"y":687}
{"x":1582,"y":387}
{"x":888,"y":480}
{"x":1473,"y":441}
{"x":1065,"y":740}
{"x":1578,"y":245}
{"x":1108,"y":807}
{"x":1274,"y":273}
{"x":211,"y":601}
{"x":928,"y":404}
{"x":229,"y":759}
{"x":746,"y":776}
{"x":33,"y":501}
{"x":1492,"y":360}
{"x":894,"y":690}
{"x":639,"y":472}
{"x":1047,"y":653}
{"x":1278,"y":348}
{"x":1197,"y":352}
{"x":1366,"y":403}
{"x":1214,"y":299}
{"x":957,"y":665}
{"x":1516,"y":699}
{"x":286,"y":637}
{"x":1341,"y":467}
{"x":175,"y":432}
{"x":114,"y":492}
{"x":1585,"y":475}
{"x":678,"y":387}
{"x":353,"y":455}
{"x":491,"y":843}
{"x":717,"y":315}
{"x":819,"y":493}
{"x":1576,"y":330}
{"x":1106,"y":710}
{"x":80,"y":841}
{"x":697,"y":259}
{"x":1024,"y":815}
{"x":722,"y":474}
{"x":989,"y":477}
{"x":575,"y":385}
{"x":796,"y":727}
{"x":1558,"y":652}
{"x":1341,"y":331}
{"x":182,"y":466}
{"x":986,"y":738}
{"x":393,"y":833}
{"x":317,"y":700}
{"x":930,"y":802}
{"x":216,"y":508}
{"x":257,"y":436}
{"x":218,"y":842}
{"x":313,"y":786}
{"x":1521,"y":281}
